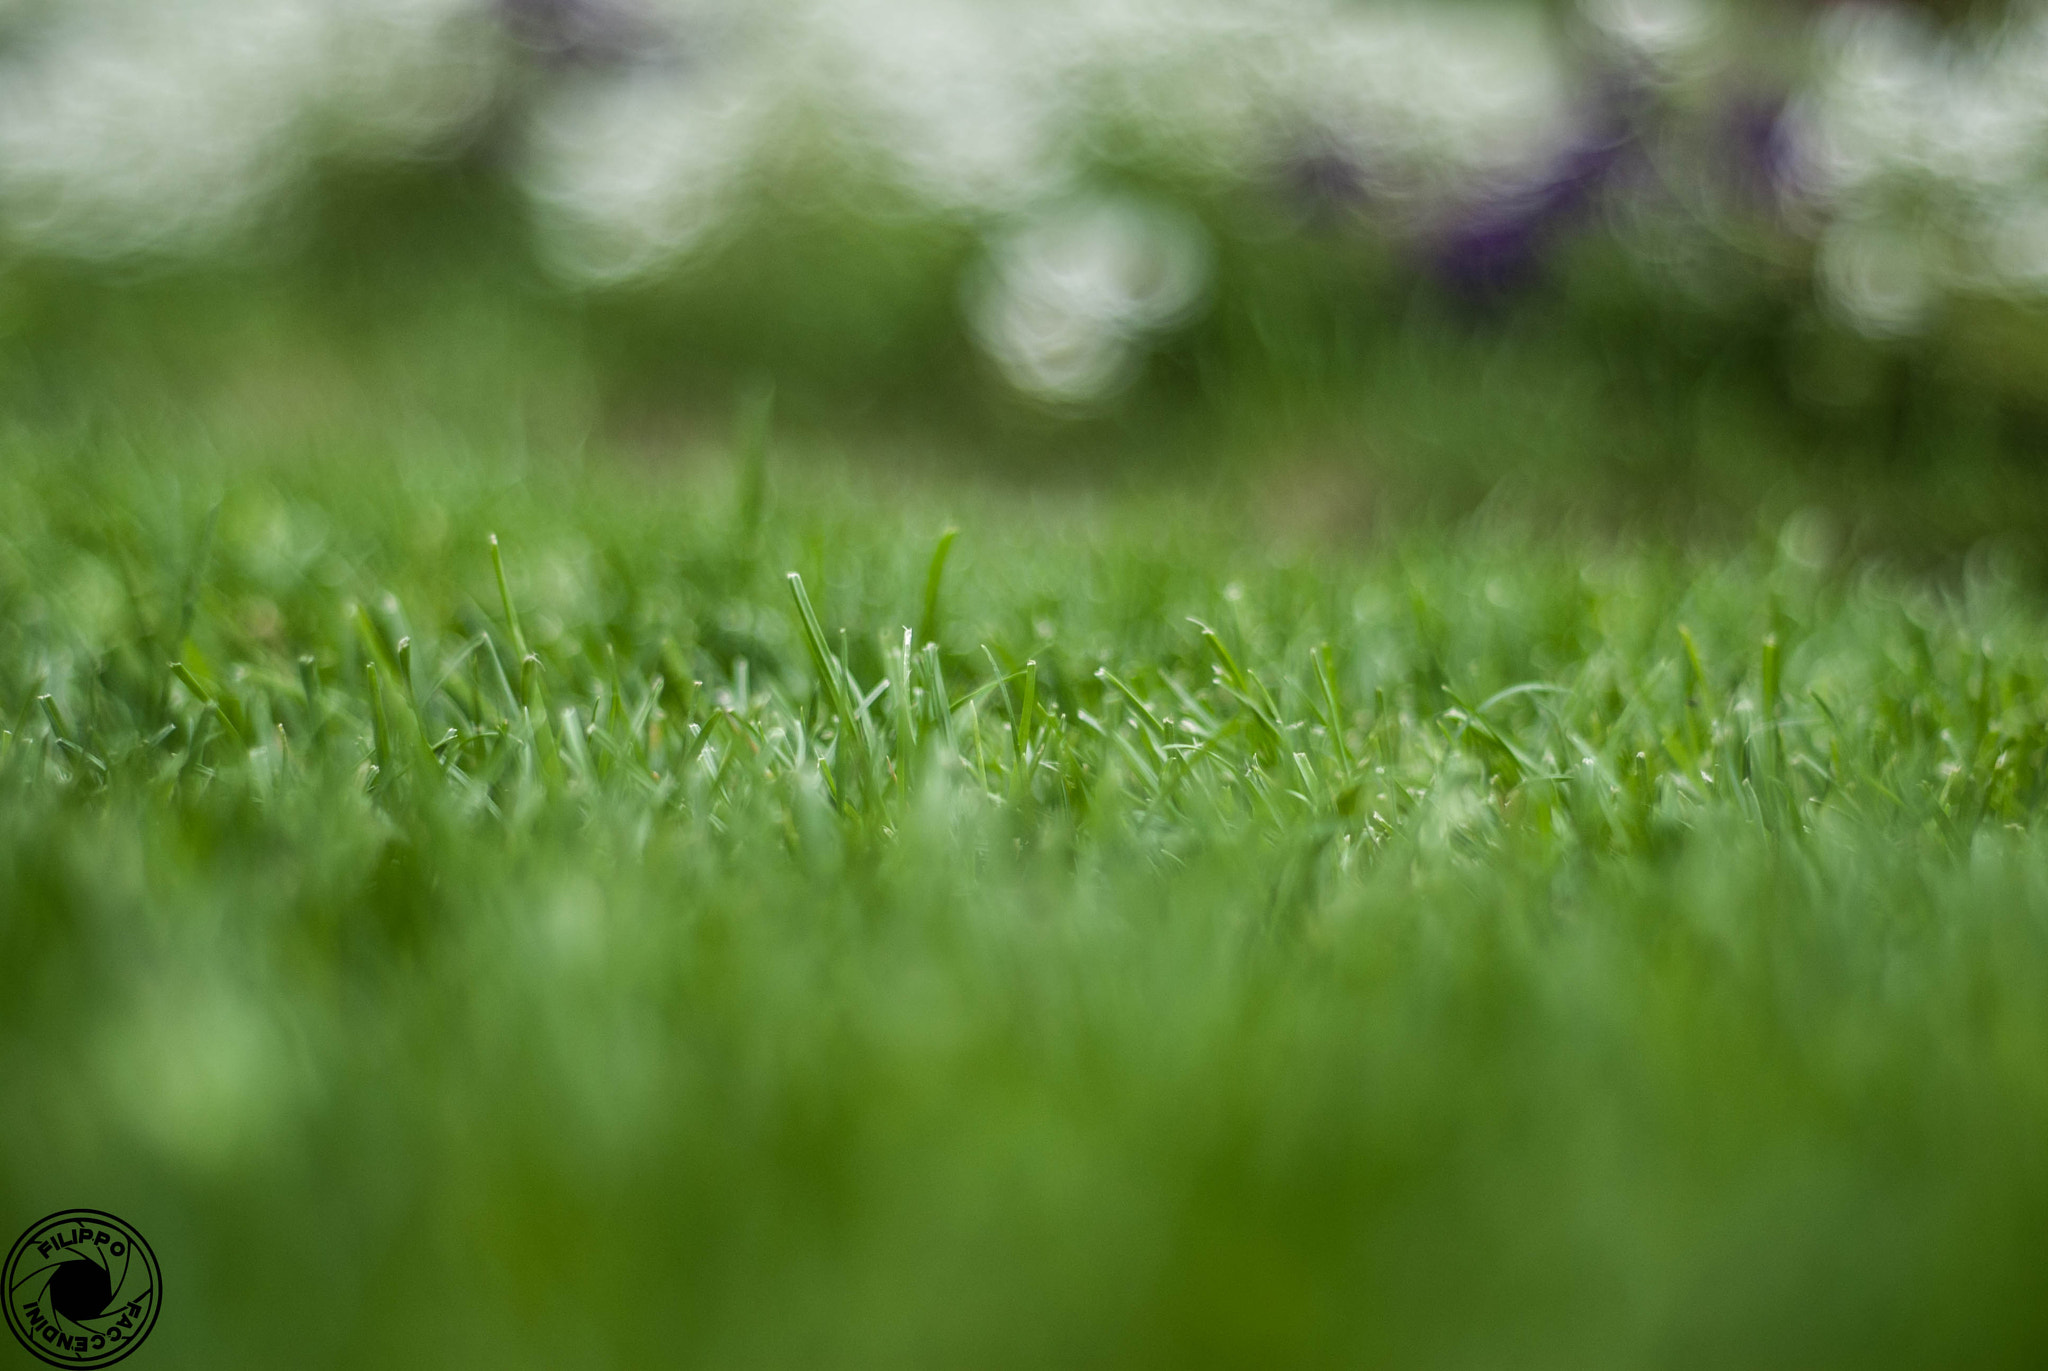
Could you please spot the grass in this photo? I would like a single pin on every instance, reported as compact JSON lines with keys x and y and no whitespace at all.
{"x":710,"y":924}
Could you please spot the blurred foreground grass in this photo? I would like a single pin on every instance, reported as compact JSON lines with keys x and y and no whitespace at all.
{"x":1469,"y":947}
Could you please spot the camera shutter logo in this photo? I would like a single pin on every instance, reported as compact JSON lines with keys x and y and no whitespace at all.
{"x":83,"y":1288}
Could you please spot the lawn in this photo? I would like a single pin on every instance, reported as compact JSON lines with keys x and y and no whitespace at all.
{"x":482,"y":910}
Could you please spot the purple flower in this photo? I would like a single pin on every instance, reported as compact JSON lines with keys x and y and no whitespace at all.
{"x":580,"y":33}
{"x":1763,"y":156}
{"x":1494,"y":245}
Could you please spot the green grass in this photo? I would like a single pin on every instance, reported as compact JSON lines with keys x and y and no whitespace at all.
{"x":1478,"y":947}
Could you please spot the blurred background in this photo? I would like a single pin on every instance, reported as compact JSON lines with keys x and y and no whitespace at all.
{"x":1667,"y":257}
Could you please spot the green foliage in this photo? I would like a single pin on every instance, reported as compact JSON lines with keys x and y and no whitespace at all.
{"x":674,"y":931}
